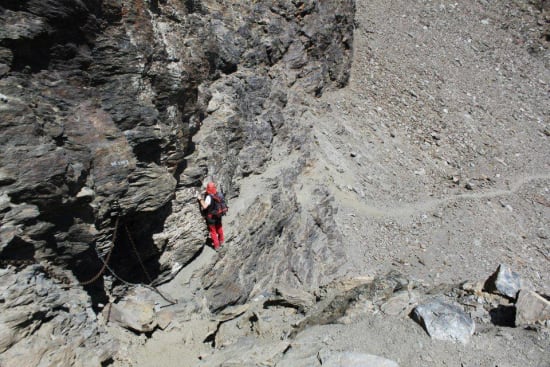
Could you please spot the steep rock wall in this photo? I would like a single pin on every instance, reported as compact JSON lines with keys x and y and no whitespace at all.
{"x":99,"y":104}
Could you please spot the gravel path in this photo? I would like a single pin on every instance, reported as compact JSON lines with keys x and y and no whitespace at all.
{"x":437,"y":152}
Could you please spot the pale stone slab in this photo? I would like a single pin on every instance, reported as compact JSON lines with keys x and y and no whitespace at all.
{"x":531,"y":308}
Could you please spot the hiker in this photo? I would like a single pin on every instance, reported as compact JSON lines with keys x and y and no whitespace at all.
{"x":213,"y":206}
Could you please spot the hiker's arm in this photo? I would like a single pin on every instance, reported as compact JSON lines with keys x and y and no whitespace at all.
{"x":202,"y":202}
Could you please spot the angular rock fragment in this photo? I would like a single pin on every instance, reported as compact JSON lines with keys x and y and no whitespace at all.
{"x":232,"y":312}
{"x":399,"y":304}
{"x":531,"y":308}
{"x":504,"y":281}
{"x":165,"y":318}
{"x":444,"y":321}
{"x":292,"y":297}
{"x":129,"y":314}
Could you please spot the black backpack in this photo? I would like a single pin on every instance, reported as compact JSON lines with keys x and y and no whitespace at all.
{"x":218,"y":207}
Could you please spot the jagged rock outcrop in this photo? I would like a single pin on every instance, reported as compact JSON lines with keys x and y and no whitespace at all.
{"x":44,"y":323}
{"x":100,"y":125}
{"x":100,"y":103}
{"x":98,"y":113}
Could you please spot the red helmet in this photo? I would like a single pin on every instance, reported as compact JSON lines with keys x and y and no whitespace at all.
{"x":211,"y":188}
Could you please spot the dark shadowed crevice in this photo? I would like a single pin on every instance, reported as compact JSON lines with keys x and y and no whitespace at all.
{"x":18,"y":249}
{"x":97,"y":294}
{"x":193,"y":6}
{"x":135,"y":246}
{"x":148,"y":151}
{"x":59,"y":43}
{"x":32,"y":55}
{"x":228,"y":67}
{"x":154,"y":6}
{"x":503,"y":316}
{"x":211,"y":339}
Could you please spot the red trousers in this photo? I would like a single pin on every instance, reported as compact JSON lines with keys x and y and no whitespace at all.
{"x":216,"y":234}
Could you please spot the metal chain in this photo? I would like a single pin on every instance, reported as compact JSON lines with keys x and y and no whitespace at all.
{"x":65,"y":279}
{"x":105,"y":262}
{"x":96,"y":277}
{"x":16,"y":262}
{"x":150,"y":286}
{"x":137,"y":254}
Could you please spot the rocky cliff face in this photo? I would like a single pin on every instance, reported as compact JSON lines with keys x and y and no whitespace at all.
{"x":113,"y":113}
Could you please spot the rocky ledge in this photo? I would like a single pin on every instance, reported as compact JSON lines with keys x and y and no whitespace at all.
{"x":286,"y":326}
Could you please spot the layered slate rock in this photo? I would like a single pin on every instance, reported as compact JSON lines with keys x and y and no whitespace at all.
{"x":345,"y":301}
{"x":100,"y":106}
{"x":98,"y":113}
{"x":253,"y":121}
{"x":292,"y":297}
{"x":96,"y":120}
{"x":44,"y":323}
{"x":95,"y":123}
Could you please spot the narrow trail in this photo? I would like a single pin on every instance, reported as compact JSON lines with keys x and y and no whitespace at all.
{"x":420,"y":207}
{"x":185,"y":284}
